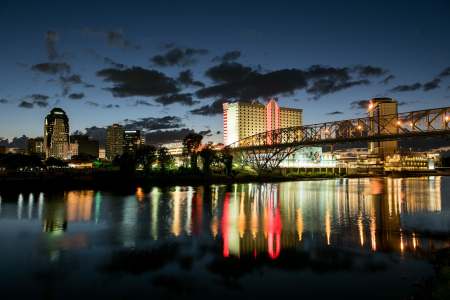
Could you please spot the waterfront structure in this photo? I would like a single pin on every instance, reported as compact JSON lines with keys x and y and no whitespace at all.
{"x":84,"y":145}
{"x":380,"y":113}
{"x":56,"y":134}
{"x":242,"y":119}
{"x":310,"y":157}
{"x":36,"y":146}
{"x":132,"y":140}
{"x":114,"y":141}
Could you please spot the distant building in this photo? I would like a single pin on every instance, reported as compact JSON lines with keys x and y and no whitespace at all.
{"x":114,"y":141}
{"x":310,"y":157}
{"x":36,"y":146}
{"x":383,"y":113}
{"x":85,"y":145}
{"x":132,"y":140}
{"x":102,"y":153}
{"x":56,"y":134}
{"x":241,"y":119}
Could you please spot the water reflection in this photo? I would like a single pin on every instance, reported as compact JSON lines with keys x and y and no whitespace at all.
{"x":250,"y":219}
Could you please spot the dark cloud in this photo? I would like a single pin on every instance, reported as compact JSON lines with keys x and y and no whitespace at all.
{"x":229,"y":72}
{"x":114,"y":38}
{"x":26,"y":104}
{"x":228,"y":56}
{"x":335,"y":113}
{"x":36,"y":97}
{"x":178,"y":57}
{"x":407,"y":88}
{"x":387,"y":79}
{"x":205,"y":132}
{"x":327,"y":86}
{"x":186,"y":78}
{"x":432,"y":84}
{"x":108,"y":106}
{"x":137,"y":81}
{"x":68,"y":81}
{"x":143,"y":102}
{"x":159,"y":137}
{"x":113,"y":63}
{"x":76,"y":96}
{"x":152,"y":123}
{"x":184,"y":99}
{"x":369,"y":71}
{"x":445,"y":72}
{"x":92,"y":103}
{"x":360,"y":104}
{"x":51,"y":68}
{"x":214,"y":108}
{"x":3,"y":100}
{"x":97,"y":133}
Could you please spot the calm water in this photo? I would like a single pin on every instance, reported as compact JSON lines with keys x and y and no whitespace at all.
{"x":363,"y":238}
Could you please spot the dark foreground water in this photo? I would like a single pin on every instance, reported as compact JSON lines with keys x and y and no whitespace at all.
{"x":359,"y":238}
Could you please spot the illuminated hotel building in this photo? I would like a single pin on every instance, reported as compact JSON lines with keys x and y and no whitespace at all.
{"x":56,"y":134}
{"x":114,"y":141}
{"x":383,"y":111}
{"x":241,"y":120}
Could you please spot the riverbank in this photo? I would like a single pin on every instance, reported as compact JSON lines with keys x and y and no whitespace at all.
{"x":114,"y":180}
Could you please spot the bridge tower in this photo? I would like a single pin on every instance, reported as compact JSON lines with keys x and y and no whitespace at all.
{"x":380,"y":112}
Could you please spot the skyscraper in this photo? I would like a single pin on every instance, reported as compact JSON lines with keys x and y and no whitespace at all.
{"x":383,"y":114}
{"x":56,"y":134}
{"x":132,"y":140}
{"x":241,"y":119}
{"x":114,"y":141}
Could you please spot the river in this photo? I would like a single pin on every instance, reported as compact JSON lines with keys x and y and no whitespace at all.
{"x":354,"y":238}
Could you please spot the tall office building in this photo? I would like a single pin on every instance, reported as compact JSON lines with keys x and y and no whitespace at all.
{"x":132,"y":140}
{"x":56,"y":134}
{"x":383,"y":113}
{"x":84,"y":145}
{"x":114,"y":141}
{"x":241,"y":120}
{"x":36,"y":146}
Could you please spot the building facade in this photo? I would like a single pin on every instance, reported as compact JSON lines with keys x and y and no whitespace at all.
{"x":383,"y":112}
{"x":132,"y":141}
{"x":36,"y":146}
{"x":241,"y":120}
{"x":56,"y":134}
{"x":114,"y":141}
{"x":85,"y":145}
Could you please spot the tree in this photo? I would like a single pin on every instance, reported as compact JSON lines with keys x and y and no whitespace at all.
{"x":146,"y":156}
{"x":191,"y":144}
{"x":227,"y":159}
{"x":165,"y":159}
{"x":126,"y":163}
{"x":14,"y":162}
{"x":54,"y":162}
{"x":208,"y":156}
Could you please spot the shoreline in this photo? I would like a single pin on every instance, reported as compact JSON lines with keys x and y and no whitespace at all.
{"x":115,"y":180}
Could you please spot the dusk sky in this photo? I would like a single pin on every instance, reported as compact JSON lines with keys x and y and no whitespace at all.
{"x":120,"y":61}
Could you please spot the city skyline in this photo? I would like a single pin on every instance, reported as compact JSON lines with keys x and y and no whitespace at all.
{"x":93,"y":67}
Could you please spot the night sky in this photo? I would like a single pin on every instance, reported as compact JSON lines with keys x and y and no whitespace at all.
{"x":169,"y":65}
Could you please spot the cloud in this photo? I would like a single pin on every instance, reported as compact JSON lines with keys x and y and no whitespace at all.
{"x":159,"y":137}
{"x":108,"y":106}
{"x":327,"y":86}
{"x":143,"y":102}
{"x":337,"y":112}
{"x":51,"y":68}
{"x":68,"y":81}
{"x":26,"y":104}
{"x":228,"y":56}
{"x":51,"y":37}
{"x":114,"y":38}
{"x":445,"y":72}
{"x":76,"y":96}
{"x":205,"y":132}
{"x":92,"y":103}
{"x":152,"y":123}
{"x":137,"y":81}
{"x":97,"y":133}
{"x":229,"y":72}
{"x":432,"y":84}
{"x":387,"y":79}
{"x":360,"y":104}
{"x":214,"y":108}
{"x":184,"y":99}
{"x":186,"y":78}
{"x":113,"y":63}
{"x":407,"y":88}
{"x":178,"y":57}
{"x":3,"y":101}
{"x":369,"y":71}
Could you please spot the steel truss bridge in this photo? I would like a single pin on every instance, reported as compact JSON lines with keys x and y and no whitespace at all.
{"x":266,"y":150}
